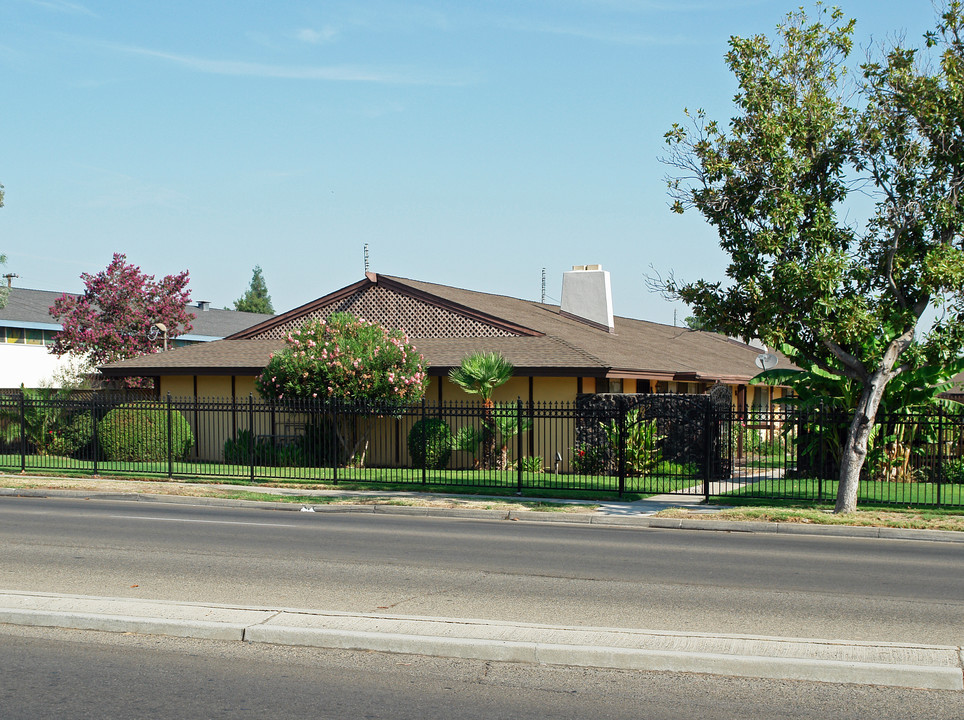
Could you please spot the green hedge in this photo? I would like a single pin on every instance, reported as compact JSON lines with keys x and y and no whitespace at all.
{"x":430,"y":444}
{"x":139,"y":433}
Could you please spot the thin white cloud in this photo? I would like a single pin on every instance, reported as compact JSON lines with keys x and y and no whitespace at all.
{"x":120,"y":191}
{"x":134,"y":196}
{"x":614,"y":36}
{"x":334,"y":73}
{"x":617,"y":37}
{"x":63,"y":6}
{"x":672,"y":6}
{"x":316,"y":37}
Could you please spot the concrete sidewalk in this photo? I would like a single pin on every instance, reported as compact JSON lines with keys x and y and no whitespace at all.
{"x":839,"y":661}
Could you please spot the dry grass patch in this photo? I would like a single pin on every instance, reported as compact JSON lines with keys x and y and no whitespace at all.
{"x":293,"y":495}
{"x":919,"y":519}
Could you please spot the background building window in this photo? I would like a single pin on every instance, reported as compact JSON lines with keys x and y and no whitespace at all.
{"x":615,"y":385}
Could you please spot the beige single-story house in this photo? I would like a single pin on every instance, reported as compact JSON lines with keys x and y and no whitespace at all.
{"x":559,"y":351}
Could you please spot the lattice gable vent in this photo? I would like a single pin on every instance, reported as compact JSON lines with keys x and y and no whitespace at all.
{"x":390,"y":309}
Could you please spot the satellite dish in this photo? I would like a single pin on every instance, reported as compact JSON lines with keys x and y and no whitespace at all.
{"x":766,"y":361}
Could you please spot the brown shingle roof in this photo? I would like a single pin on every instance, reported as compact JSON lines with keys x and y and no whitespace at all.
{"x":545,"y":343}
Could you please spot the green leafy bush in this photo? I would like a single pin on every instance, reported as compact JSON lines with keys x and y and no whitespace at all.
{"x":74,"y":436}
{"x":954,"y":471}
{"x":641,"y":454}
{"x":532,"y":464}
{"x":139,"y":433}
{"x":589,"y":459}
{"x":319,"y":445}
{"x":430,"y":444}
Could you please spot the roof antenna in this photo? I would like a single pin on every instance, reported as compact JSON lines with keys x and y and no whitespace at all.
{"x":10,"y":277}
{"x":543,"y":286}
{"x":366,"y":258}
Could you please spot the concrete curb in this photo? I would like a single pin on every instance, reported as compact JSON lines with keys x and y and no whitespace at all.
{"x":895,"y":664}
{"x":638,"y":521}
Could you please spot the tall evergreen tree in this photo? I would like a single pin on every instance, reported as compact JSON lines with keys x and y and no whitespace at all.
{"x":256,"y":299}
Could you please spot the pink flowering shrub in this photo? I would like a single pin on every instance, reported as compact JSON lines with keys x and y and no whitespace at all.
{"x":347,"y":359}
{"x":350,"y":360}
{"x":112,"y":319}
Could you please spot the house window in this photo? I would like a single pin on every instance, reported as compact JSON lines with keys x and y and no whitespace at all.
{"x":615,"y":385}
{"x":761,"y":399}
{"x":34,"y":337}
{"x":15,"y":335}
{"x":662,"y":386}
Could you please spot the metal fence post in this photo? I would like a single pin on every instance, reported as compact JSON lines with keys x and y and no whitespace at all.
{"x":424,"y":445}
{"x":95,"y":419}
{"x":939,"y":470}
{"x":23,"y":430}
{"x":518,"y":459}
{"x":251,"y":434}
{"x":621,"y":455}
{"x":708,"y":424}
{"x":822,"y":439}
{"x":336,"y":441}
{"x":170,"y":439}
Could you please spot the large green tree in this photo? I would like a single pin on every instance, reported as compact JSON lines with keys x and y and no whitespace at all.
{"x":785,"y":184}
{"x":256,"y":298}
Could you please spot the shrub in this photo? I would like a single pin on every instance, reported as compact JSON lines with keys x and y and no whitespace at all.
{"x":531,"y":464}
{"x":589,"y":459}
{"x":954,"y":471}
{"x":345,"y":358}
{"x":139,"y":432}
{"x":641,"y":452}
{"x":319,"y":445}
{"x":74,"y":437}
{"x":430,"y":444}
{"x":237,"y":450}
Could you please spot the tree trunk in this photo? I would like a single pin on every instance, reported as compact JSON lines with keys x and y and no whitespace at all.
{"x":855,"y":449}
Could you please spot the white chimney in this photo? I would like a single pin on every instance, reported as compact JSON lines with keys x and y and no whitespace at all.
{"x":587,"y":296}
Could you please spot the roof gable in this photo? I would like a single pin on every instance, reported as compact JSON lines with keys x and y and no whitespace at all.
{"x":393,"y":304}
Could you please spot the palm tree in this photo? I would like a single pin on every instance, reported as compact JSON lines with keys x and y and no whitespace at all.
{"x":480,"y":374}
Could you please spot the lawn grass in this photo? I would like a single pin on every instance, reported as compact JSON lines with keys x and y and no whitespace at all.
{"x":869,"y":493}
{"x":468,"y":482}
{"x":668,"y":478}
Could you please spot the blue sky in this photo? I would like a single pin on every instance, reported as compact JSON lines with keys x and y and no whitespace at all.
{"x":467,"y":143}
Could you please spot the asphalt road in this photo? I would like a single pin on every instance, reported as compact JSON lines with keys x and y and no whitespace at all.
{"x":77,"y":674}
{"x":798,"y":586}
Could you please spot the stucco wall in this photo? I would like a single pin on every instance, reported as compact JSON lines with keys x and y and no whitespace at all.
{"x":553,"y":434}
{"x":31,"y":365}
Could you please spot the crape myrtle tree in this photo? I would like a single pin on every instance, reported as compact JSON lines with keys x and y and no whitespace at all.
{"x":784,"y":181}
{"x":348,"y":360}
{"x":114,"y":316}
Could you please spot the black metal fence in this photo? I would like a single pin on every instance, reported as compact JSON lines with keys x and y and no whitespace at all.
{"x":632,"y":446}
